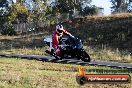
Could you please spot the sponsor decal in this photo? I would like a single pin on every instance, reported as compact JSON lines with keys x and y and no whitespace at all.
{"x":83,"y":78}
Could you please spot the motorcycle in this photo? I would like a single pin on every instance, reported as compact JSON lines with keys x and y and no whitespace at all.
{"x":72,"y":48}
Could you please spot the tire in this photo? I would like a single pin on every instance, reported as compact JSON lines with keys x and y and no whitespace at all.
{"x":81,"y":80}
{"x":84,"y":56}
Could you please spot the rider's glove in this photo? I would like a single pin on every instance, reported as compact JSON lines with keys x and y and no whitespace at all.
{"x":61,"y":46}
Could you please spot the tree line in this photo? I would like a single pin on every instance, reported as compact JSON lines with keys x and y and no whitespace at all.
{"x":25,"y":11}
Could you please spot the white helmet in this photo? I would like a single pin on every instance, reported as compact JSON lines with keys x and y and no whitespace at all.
{"x":59,"y":29}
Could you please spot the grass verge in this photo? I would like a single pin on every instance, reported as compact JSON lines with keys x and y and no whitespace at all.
{"x":17,"y":73}
{"x":98,"y":54}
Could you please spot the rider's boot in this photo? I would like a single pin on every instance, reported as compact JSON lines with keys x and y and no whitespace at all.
{"x":48,"y":51}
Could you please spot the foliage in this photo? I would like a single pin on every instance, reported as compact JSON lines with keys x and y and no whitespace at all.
{"x":17,"y":13}
{"x":65,"y":6}
{"x":3,"y":19}
{"x":2,"y":16}
{"x":9,"y":30}
{"x":119,"y":6}
{"x":89,"y":10}
{"x":68,"y":6}
{"x":3,"y":3}
{"x":38,"y":13}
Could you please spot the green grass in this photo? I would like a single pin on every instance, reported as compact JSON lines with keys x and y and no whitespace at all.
{"x":20,"y":73}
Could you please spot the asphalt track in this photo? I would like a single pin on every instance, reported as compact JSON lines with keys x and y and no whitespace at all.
{"x":69,"y":61}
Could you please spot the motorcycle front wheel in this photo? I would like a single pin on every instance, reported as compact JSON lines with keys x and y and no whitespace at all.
{"x":84,"y":56}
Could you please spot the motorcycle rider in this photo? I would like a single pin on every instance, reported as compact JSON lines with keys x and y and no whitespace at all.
{"x":56,"y":38}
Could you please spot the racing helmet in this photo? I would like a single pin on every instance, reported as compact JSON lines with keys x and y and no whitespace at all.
{"x":59,"y":29}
